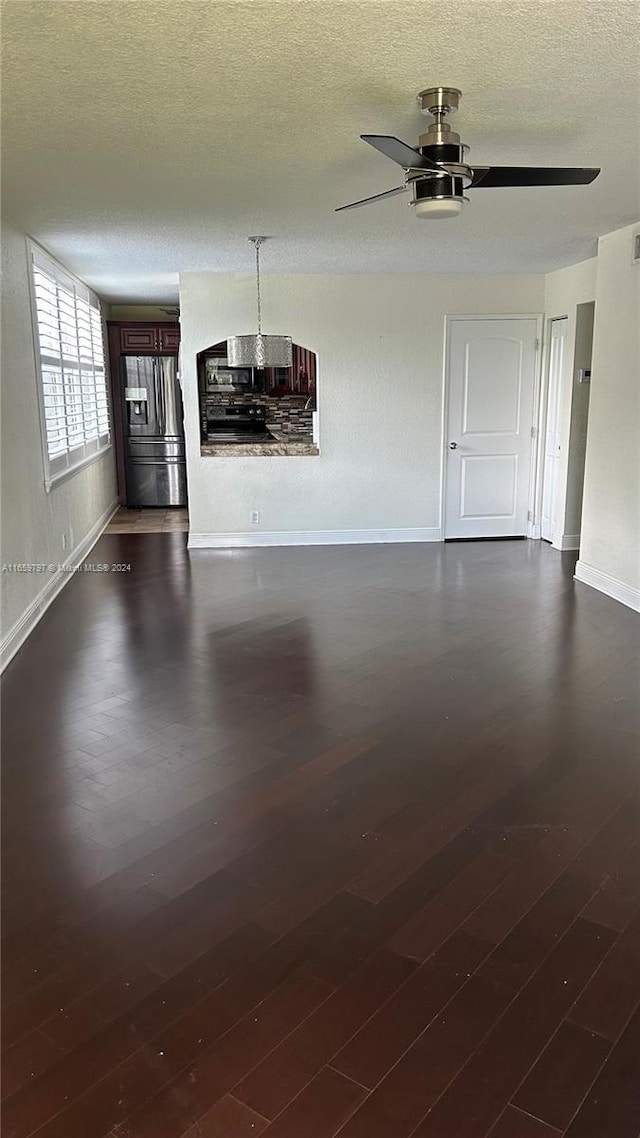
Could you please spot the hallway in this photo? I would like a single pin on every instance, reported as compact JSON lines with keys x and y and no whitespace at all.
{"x":302,"y":842}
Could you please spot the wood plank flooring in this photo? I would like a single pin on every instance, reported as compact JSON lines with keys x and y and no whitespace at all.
{"x":326,"y":841}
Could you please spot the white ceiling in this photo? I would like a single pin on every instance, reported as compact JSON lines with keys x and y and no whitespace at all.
{"x":142,"y":139}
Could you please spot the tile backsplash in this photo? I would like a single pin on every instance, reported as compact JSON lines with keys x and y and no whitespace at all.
{"x":285,"y":413}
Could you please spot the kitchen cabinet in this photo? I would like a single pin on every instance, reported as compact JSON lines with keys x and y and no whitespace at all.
{"x":169,"y":338}
{"x":137,"y":339}
{"x":300,"y":379}
{"x":142,"y":337}
{"x":218,"y":350}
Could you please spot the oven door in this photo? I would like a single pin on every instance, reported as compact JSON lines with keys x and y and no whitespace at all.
{"x":239,"y":436}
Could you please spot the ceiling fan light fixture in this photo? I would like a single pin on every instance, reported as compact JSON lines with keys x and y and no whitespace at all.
{"x":259,"y":350}
{"x":438,"y":208}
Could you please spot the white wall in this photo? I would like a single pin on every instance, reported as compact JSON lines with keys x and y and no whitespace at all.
{"x":610,"y":548}
{"x":579,"y":419}
{"x":564,"y":291}
{"x":379,"y":341}
{"x":32,"y":520}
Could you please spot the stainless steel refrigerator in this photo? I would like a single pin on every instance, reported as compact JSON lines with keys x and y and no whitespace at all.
{"x":154,"y":432}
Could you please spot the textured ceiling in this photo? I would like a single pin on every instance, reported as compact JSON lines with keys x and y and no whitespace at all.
{"x":145,"y":139}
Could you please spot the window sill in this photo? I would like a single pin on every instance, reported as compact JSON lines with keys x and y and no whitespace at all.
{"x":62,"y":476}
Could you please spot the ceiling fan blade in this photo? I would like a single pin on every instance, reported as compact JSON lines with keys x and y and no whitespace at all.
{"x":490,"y":177}
{"x":375,"y":198}
{"x":399,"y":152}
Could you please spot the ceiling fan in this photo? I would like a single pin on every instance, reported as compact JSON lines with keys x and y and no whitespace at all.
{"x":436,"y":171}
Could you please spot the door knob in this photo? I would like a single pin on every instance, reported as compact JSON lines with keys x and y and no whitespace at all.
{"x":453,"y":446}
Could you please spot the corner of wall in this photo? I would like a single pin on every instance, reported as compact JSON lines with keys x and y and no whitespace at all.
{"x":610,"y":586}
{"x":610,"y":540}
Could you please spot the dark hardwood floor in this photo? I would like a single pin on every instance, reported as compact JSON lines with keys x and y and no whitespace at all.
{"x":307,"y":842}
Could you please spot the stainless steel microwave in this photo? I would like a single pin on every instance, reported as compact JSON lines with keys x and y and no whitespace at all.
{"x":220,"y":378}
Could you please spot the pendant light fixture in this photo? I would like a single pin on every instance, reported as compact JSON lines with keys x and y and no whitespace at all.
{"x":259,"y":350}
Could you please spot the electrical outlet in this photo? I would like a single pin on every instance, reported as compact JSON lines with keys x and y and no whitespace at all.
{"x":255,"y":517}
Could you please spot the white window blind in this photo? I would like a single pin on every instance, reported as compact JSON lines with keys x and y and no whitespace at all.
{"x":70,"y":351}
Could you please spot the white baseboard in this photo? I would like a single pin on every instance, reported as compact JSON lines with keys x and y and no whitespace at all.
{"x":626,"y":594}
{"x":13,"y":640}
{"x":565,"y":541}
{"x":312,"y":537}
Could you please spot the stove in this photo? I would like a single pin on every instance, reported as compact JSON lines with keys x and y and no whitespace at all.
{"x":237,"y":423}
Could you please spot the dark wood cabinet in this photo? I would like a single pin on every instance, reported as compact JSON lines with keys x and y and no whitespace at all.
{"x":168,"y":338}
{"x":154,"y":338}
{"x":134,"y":339}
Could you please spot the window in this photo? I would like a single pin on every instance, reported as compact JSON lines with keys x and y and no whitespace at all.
{"x":70,"y":355}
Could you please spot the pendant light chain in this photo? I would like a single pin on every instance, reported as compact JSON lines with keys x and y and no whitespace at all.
{"x":258,"y":242}
{"x":259,"y":351}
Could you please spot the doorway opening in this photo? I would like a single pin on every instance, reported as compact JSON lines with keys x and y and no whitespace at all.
{"x":565,"y":428}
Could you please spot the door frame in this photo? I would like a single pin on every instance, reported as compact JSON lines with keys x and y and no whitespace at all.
{"x":544,"y":411}
{"x":533,"y":529}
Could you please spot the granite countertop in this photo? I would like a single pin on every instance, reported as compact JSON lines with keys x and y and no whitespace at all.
{"x":280,"y":443}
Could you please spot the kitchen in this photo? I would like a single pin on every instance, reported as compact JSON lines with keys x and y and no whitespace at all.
{"x":243,"y":411}
{"x":249,"y":411}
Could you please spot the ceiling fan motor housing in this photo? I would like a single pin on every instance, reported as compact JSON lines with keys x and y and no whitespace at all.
{"x":442,"y":145}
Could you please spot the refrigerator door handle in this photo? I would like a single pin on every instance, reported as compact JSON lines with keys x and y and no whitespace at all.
{"x":159,"y":394}
{"x":172,"y":396}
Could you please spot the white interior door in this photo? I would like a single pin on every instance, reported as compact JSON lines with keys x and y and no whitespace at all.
{"x":491,"y":369}
{"x":557,"y":343}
